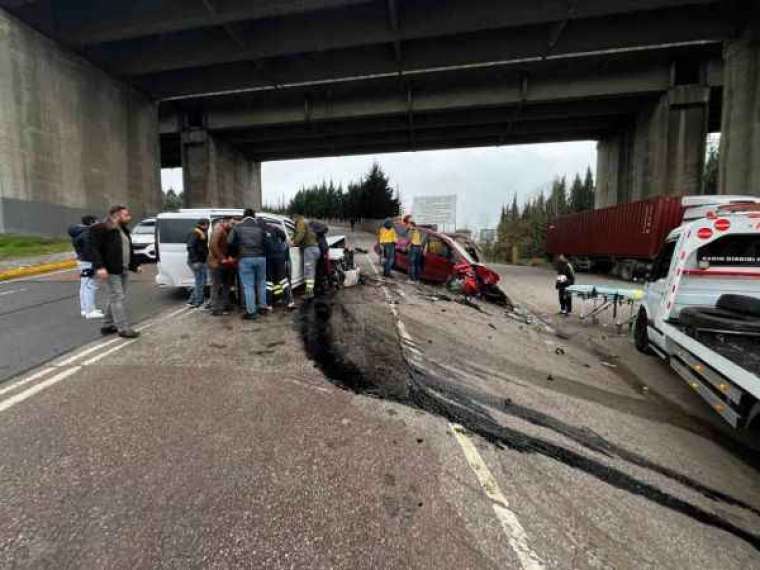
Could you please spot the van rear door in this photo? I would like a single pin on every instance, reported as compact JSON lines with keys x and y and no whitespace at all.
{"x":172,"y":233}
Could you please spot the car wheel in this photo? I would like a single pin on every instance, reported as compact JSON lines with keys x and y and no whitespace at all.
{"x":640,"y":334}
{"x":718,"y":319}
{"x":740,"y":304}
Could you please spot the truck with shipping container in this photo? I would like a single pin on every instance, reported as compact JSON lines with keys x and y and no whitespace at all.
{"x":622,"y":239}
{"x":701,"y":306}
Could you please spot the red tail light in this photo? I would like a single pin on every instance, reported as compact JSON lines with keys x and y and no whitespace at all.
{"x":704,"y":233}
{"x":722,"y":224}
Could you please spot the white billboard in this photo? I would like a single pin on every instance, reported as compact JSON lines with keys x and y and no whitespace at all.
{"x":439,"y":210}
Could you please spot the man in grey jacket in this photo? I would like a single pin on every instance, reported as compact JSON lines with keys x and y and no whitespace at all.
{"x":247,"y":240}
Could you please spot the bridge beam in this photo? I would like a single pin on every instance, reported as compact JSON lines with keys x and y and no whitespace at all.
{"x":215,"y":174}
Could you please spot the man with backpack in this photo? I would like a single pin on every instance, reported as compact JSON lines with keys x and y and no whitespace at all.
{"x":80,"y":239}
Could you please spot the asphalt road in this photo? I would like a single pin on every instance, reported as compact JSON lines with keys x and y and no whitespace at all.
{"x":388,"y":426}
{"x":39,"y":316}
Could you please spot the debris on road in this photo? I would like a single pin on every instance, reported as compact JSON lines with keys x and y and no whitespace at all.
{"x":608,"y":364}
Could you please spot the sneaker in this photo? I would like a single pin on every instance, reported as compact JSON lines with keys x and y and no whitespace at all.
{"x":250,"y":316}
{"x":216,"y":313}
{"x":110,"y":329}
{"x":291,"y":305}
{"x":129,"y":333}
{"x":95,"y":314}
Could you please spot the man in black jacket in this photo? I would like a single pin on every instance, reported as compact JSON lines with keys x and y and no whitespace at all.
{"x":565,"y":278}
{"x":197,"y":255}
{"x":112,"y":260}
{"x":248,"y":239}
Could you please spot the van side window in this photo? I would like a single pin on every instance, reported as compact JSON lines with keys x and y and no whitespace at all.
{"x":175,"y":230}
{"x":662,"y":263}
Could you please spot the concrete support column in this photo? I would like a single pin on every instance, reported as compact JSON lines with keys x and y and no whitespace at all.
{"x":740,"y":128}
{"x":217,"y":175}
{"x":661,"y":153}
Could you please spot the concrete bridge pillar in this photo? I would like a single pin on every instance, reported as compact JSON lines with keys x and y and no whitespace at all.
{"x":660,"y":153}
{"x":740,"y":128}
{"x":73,"y":140}
{"x":215,"y":174}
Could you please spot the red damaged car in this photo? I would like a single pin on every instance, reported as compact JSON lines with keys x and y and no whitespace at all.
{"x":445,"y":260}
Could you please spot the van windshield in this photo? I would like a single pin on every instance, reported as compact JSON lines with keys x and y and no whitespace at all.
{"x":741,"y":250}
{"x":175,"y":230}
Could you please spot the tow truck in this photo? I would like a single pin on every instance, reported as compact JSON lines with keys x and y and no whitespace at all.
{"x":701,"y":306}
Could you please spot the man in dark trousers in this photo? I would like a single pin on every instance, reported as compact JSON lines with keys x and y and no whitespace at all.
{"x":112,"y":260}
{"x":565,"y":278}
{"x":278,"y":259}
{"x":197,"y":256}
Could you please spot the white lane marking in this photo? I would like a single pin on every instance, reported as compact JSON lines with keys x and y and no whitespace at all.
{"x":518,"y":539}
{"x":11,"y":291}
{"x":32,"y":378}
{"x":510,"y":524}
{"x":102,"y":355}
{"x":85,"y":352}
{"x":64,"y":363}
{"x":29,"y":392}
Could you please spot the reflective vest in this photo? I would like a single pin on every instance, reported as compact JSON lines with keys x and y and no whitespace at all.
{"x":386,"y":235}
{"x":415,"y":236}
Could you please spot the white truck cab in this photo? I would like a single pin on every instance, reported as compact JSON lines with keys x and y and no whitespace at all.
{"x":715,"y":252}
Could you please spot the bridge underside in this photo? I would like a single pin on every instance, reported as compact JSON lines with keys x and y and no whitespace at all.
{"x":270,"y":80}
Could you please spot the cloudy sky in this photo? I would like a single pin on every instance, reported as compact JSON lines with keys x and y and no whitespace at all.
{"x":482,"y":178}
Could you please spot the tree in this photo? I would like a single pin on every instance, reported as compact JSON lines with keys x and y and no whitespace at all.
{"x":577,"y":195}
{"x":514,"y":211}
{"x":710,"y":174}
{"x":173,"y":201}
{"x":589,"y":190}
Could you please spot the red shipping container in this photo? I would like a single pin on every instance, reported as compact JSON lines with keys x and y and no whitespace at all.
{"x":635,"y":230}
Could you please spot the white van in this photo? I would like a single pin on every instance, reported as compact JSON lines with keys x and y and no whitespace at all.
{"x":173,"y":230}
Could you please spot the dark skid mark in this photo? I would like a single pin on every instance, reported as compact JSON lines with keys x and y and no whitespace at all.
{"x":453,"y":403}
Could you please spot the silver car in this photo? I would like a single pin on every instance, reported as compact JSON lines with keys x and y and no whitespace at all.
{"x":144,"y":240}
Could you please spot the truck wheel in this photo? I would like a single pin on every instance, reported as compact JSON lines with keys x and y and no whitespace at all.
{"x":718,"y":319}
{"x":640,"y":334}
{"x":740,"y":304}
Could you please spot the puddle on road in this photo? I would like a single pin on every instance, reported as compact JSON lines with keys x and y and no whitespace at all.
{"x":336,"y":340}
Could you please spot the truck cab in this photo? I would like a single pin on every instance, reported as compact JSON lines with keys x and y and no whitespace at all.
{"x":715,"y":252}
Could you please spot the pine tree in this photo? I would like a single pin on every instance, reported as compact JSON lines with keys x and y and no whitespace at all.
{"x":577,"y":195}
{"x":589,"y":191}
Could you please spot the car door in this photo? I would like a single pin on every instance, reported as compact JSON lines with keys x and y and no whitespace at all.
{"x":437,"y":264}
{"x":296,"y":256}
{"x":658,"y":279}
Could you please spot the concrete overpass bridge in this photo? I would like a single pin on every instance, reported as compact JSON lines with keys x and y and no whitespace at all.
{"x":98,"y":95}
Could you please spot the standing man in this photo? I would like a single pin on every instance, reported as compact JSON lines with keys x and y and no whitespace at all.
{"x":565,"y":278}
{"x":197,"y":255}
{"x":112,"y":259}
{"x":219,"y":263}
{"x":247,"y":238}
{"x":80,"y":238}
{"x":415,"y":251}
{"x":386,"y":236}
{"x":306,"y":239}
{"x":278,"y":258}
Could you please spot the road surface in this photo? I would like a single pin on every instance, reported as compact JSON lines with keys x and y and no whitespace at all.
{"x":39,"y":316}
{"x":384,"y":427}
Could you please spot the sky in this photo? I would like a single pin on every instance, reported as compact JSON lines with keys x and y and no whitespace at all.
{"x":484,"y":179}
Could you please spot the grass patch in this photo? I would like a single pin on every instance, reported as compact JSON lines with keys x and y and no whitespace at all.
{"x":14,"y":246}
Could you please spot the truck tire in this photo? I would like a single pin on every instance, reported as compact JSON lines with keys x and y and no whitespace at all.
{"x":740,"y":304}
{"x":718,"y":319}
{"x":640,"y":334}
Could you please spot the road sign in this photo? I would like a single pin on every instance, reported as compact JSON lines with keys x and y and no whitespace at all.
{"x":439,"y":210}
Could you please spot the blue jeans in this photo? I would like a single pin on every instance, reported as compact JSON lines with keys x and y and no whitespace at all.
{"x":199,"y":291}
{"x":253,"y":276}
{"x":415,"y":262}
{"x":389,"y":252}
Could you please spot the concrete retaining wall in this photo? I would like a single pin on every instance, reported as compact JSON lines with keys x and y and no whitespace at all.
{"x":72,"y":139}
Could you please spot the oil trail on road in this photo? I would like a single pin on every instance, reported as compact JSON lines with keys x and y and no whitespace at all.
{"x":321,"y":333}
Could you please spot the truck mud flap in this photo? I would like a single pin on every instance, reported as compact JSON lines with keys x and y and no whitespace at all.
{"x":716,"y":390}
